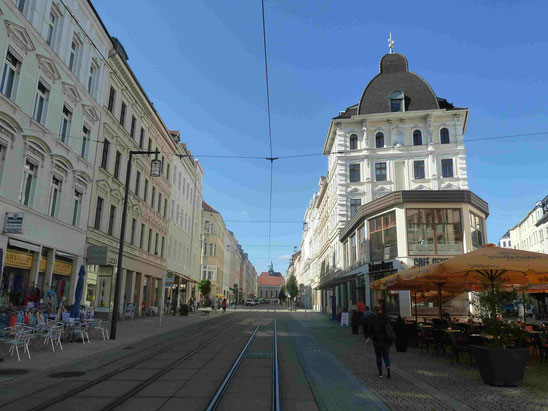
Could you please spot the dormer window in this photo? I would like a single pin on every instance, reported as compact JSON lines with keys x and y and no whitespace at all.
{"x":353,"y":142}
{"x":417,"y":138}
{"x":396,"y":101}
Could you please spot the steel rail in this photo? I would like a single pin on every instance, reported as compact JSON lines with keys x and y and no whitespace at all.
{"x":130,"y":393}
{"x":276,"y":400}
{"x":113,"y":373}
{"x":276,"y":403}
{"x":215,"y":401}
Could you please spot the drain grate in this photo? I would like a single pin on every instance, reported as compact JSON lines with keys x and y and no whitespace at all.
{"x":13,"y":371}
{"x":67,"y":374}
{"x":258,"y":355}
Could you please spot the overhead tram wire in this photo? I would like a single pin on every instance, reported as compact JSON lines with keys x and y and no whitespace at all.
{"x":235,"y":156}
{"x":271,"y":158}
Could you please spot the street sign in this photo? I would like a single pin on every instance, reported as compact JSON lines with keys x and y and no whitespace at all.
{"x":14,"y":223}
{"x":169,"y":278}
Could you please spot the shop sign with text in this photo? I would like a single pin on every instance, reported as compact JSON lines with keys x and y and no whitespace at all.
{"x":423,"y":261}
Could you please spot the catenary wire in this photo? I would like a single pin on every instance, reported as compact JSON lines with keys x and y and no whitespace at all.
{"x":229,"y":156}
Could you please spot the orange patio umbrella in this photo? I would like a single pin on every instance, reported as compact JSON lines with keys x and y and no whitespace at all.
{"x":473,"y":271}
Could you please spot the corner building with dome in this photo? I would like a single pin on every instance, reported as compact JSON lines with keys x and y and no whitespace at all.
{"x":396,"y":194}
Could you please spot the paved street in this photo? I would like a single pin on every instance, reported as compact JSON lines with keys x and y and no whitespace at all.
{"x":322,"y":366}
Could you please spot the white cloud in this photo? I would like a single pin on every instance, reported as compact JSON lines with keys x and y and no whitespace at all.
{"x":284,"y":257}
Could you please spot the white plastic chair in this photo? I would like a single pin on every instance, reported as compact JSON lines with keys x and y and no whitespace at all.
{"x":101,"y":325}
{"x":54,"y":335}
{"x":21,"y":339}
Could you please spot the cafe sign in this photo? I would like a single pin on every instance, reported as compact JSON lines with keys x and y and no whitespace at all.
{"x":424,"y":261}
{"x":14,"y":223}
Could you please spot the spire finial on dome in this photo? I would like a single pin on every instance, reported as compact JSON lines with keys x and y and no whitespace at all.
{"x":390,"y":43}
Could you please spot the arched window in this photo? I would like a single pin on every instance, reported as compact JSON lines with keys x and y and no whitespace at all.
{"x":417,"y":138}
{"x":444,"y":136}
{"x":396,"y":101}
{"x":353,"y":142}
{"x":379,"y":140}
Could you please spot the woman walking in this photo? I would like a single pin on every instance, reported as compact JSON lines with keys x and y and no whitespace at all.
{"x":381,"y":332}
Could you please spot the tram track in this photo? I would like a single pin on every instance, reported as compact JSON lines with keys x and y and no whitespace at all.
{"x":225,"y":387}
{"x":89,"y":384}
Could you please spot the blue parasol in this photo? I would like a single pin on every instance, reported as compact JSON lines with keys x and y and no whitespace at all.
{"x":75,"y":312}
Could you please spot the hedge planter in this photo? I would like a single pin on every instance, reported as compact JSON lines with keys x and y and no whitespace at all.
{"x":501,"y":366}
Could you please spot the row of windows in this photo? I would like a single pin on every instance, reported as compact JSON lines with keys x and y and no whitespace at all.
{"x":53,"y":26}
{"x":8,"y":87}
{"x":429,"y":232}
{"x":418,"y":170}
{"x":268,"y":294}
{"x":161,"y":206}
{"x":98,"y":224}
{"x":176,"y":250}
{"x":417,"y":139}
{"x":28,"y":188}
{"x":210,"y":249}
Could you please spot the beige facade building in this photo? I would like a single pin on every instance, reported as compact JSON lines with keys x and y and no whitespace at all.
{"x":130,"y":122}
{"x":213,"y":245}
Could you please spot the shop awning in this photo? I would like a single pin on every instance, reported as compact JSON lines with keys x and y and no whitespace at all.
{"x":185,"y":277}
{"x":66,"y":255}
{"x":25,"y":245}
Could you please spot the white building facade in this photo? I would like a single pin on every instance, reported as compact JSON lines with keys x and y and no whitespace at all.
{"x":183,"y":243}
{"x":399,"y":137}
{"x":52,"y":83}
{"x":531,"y":233}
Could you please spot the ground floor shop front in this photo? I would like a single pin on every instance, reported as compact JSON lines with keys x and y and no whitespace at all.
{"x":34,"y":275}
{"x":141,"y":284}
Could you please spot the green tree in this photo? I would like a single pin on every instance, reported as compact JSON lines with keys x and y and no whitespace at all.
{"x":291,"y":286}
{"x":281,"y":295}
{"x":205,"y":287}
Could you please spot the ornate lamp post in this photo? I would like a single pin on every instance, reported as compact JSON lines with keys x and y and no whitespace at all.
{"x":155,"y":171}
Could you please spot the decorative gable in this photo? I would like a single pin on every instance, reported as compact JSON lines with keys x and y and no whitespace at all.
{"x":48,"y":67}
{"x":19,"y":36}
{"x":71,"y":93}
{"x":422,"y":187}
{"x":449,"y":186}
{"x":90,"y":113}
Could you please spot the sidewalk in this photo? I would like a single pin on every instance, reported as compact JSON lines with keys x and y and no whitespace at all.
{"x":129,"y":332}
{"x":422,"y":381}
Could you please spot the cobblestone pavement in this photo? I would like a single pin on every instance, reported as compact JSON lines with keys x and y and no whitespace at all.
{"x":423,"y":381}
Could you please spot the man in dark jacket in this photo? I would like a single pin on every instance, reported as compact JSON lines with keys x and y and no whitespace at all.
{"x":380,"y":331}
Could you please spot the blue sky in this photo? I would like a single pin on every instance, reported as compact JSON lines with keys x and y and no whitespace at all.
{"x":201,"y":64}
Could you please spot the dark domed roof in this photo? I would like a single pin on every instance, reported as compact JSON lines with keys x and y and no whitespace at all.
{"x":395,"y":76}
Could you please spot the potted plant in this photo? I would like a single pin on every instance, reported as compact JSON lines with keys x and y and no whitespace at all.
{"x":502,"y":360}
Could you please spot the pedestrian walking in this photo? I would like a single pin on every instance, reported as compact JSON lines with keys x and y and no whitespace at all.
{"x":168,"y":305}
{"x":381,"y":332}
{"x":223,"y":304}
{"x":195,"y":305}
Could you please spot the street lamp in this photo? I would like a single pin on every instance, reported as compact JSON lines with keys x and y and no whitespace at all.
{"x":155,"y":171}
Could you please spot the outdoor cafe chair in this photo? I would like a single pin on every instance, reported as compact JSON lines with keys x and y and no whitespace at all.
{"x":54,"y":335}
{"x":425,"y":338}
{"x":542,"y":345}
{"x":102,"y":326}
{"x":82,"y":331}
{"x":21,"y":339}
{"x":458,"y":346}
{"x":438,"y":336}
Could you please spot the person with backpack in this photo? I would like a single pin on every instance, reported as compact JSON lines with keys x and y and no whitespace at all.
{"x":381,"y":332}
{"x":223,"y":304}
